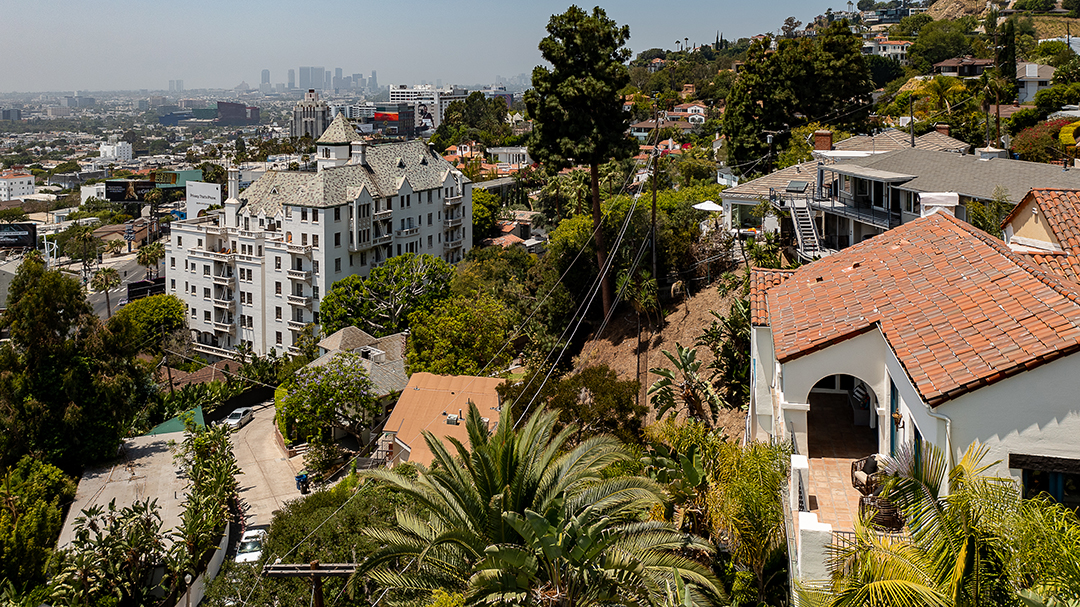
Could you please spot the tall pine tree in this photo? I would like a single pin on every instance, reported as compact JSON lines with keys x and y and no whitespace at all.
{"x":576,"y":105}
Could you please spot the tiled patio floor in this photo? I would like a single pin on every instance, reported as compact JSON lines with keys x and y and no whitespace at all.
{"x":834,"y":442}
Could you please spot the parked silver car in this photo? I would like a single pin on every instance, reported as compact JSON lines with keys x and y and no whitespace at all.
{"x":240,"y":417}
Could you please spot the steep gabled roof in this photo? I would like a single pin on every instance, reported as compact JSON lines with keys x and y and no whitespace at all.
{"x":958,"y":308}
{"x":386,"y":165}
{"x":340,"y":132}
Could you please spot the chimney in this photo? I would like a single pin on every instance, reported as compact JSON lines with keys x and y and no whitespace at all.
{"x":234,"y":182}
{"x":942,"y":128}
{"x":360,"y":152}
{"x":823,"y":140}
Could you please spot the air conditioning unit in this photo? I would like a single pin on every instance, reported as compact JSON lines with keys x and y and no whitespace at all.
{"x":452,"y":419}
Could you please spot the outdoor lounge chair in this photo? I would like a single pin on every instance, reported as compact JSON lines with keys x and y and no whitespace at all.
{"x":866,"y":474}
{"x":883,"y":513}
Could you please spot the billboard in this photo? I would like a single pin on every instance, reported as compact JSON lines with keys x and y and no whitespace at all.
{"x":18,"y":235}
{"x":387,"y":116}
{"x":201,"y":195}
{"x":127,"y":190}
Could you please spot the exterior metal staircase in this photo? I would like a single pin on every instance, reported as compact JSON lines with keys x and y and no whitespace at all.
{"x":805,"y":230}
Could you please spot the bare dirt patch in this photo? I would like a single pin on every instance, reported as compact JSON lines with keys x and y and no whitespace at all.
{"x":683,"y":322}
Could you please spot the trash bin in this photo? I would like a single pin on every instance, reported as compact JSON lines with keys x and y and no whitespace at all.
{"x":302,"y":483}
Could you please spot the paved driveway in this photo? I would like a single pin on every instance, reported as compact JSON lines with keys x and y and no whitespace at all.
{"x":268,"y":479}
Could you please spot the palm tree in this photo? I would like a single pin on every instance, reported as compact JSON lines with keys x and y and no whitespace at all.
{"x":516,"y":517}
{"x":106,"y":279}
{"x":149,"y":255}
{"x":940,"y":89}
{"x":956,"y":553}
{"x":684,"y":389}
{"x":114,"y":246}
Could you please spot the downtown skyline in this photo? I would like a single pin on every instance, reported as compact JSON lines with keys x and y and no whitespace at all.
{"x":219,"y":44}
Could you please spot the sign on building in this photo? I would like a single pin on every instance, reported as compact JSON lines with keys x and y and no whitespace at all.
{"x":18,"y":235}
{"x":200,"y":196}
{"x":127,"y":190}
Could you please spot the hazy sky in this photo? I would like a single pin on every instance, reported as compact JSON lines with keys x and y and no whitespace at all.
{"x":59,"y":45}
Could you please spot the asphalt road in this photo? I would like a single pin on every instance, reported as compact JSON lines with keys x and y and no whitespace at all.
{"x":268,"y":478}
{"x":130,"y":271}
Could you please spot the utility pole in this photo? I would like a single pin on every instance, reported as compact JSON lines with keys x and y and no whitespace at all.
{"x":911,"y":118}
{"x":655,"y":178}
{"x":315,"y":571}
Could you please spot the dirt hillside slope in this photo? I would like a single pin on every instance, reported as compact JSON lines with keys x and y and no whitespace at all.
{"x":683,"y":323}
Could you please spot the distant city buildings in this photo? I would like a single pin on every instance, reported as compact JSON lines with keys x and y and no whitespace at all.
{"x":311,"y":115}
{"x":11,"y":114}
{"x":14,"y":184}
{"x":176,"y":86}
{"x":115,"y":150}
{"x":430,"y":103}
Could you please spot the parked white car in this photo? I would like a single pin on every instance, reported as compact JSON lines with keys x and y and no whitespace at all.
{"x":251,"y":545}
{"x":240,"y":417}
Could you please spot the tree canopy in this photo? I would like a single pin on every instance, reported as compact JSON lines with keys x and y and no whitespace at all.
{"x":337,"y":394}
{"x":69,"y":385}
{"x":381,"y":303}
{"x":460,"y":336}
{"x":576,"y":105}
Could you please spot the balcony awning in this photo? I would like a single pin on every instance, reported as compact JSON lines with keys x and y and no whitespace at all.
{"x":862,"y":172}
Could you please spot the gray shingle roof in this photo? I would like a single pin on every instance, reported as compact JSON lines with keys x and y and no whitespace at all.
{"x":967,"y":175}
{"x":340,"y":132}
{"x":759,"y":188}
{"x":387,"y":165}
{"x":893,"y":139}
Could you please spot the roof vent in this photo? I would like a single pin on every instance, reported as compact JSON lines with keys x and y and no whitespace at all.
{"x":818,"y":279}
{"x":400,"y":162}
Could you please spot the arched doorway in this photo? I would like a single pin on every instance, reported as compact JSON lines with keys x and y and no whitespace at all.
{"x":841,"y":429}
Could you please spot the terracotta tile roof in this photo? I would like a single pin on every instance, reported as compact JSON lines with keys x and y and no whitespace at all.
{"x":761,"y":280}
{"x":958,"y":308}
{"x":1061,"y":208}
{"x":427,"y":397}
{"x":1063,"y":264}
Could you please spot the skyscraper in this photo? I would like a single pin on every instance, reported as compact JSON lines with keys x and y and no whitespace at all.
{"x":179,"y":86}
{"x":266,"y":76}
{"x":305,"y":78}
{"x":292,"y":79}
{"x":172,"y":86}
{"x":374,"y":83}
{"x":318,"y":77}
{"x":327,"y":84}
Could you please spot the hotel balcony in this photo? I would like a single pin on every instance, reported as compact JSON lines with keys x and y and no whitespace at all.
{"x":304,"y":275}
{"x":300,"y":300}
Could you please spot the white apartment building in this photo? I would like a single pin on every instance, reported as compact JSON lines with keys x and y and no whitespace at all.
{"x":16,"y":185}
{"x":434,"y":100}
{"x":115,"y":150}
{"x":256,"y":270}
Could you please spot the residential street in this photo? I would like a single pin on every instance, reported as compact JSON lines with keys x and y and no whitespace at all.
{"x":130,"y":271}
{"x":268,"y":479}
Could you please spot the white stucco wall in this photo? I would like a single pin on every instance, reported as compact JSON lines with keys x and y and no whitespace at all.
{"x":1034,"y":413}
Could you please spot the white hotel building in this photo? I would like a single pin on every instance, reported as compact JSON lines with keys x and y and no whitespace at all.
{"x":255,"y":271}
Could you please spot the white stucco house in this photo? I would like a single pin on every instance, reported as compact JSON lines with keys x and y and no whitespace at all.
{"x":953,"y":336}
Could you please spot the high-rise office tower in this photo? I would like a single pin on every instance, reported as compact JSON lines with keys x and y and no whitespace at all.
{"x":305,"y":78}
{"x":374,"y":83}
{"x":266,"y":76}
{"x":292,"y":79}
{"x":179,"y":86}
{"x":357,"y":81}
{"x":318,"y":77}
{"x":327,"y":81}
{"x":172,"y":86}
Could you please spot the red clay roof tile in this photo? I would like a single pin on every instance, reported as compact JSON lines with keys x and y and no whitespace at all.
{"x":959,"y":309}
